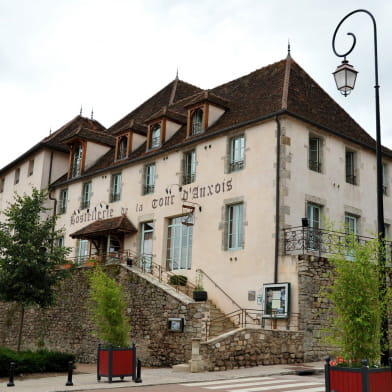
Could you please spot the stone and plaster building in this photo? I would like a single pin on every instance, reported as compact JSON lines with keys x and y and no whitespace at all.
{"x":215,"y":183}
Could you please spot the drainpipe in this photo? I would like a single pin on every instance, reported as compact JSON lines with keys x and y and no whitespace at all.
{"x":49,"y":181}
{"x":277,"y":199}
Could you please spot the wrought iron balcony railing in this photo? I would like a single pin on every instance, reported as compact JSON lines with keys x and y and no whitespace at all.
{"x":321,"y":242}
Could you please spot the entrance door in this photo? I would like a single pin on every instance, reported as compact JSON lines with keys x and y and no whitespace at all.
{"x":314,"y":218}
{"x":146,"y":245}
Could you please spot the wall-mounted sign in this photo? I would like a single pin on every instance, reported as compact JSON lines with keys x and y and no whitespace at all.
{"x":175,"y":324}
{"x":276,"y":300}
{"x":190,"y":193}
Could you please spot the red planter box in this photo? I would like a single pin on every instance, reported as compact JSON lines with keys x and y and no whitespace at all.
{"x":364,"y":379}
{"x":116,"y":362}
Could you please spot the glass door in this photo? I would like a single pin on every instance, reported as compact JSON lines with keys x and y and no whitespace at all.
{"x":314,"y":218}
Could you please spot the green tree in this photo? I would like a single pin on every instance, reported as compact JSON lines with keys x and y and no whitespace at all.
{"x":358,"y":299}
{"x":108,"y":309}
{"x":29,"y":254}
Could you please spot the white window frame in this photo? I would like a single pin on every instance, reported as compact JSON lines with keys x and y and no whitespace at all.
{"x":236,"y":153}
{"x":350,"y":167}
{"x":149,"y":178}
{"x":235,"y":226}
{"x":179,"y":243}
{"x":314,"y":154}
{"x":156,"y":131}
{"x":115,"y":187}
{"x":189,"y":167}
{"x":197,"y":121}
{"x":86,"y":195}
{"x":63,"y":201}
{"x":77,"y":160}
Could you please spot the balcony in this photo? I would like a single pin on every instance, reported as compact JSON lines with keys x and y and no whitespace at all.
{"x":320,"y":242}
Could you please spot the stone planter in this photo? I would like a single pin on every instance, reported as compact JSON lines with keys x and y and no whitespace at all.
{"x":116,"y":362}
{"x":364,"y":379}
{"x":200,"y":296}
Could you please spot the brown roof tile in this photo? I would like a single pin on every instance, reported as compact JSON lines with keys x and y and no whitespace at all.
{"x":118,"y":225}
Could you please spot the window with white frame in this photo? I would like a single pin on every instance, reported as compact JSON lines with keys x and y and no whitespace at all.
{"x":313,"y":213}
{"x":149,"y":179}
{"x":60,"y":242}
{"x":122,"y":147}
{"x":235,"y":226}
{"x":86,"y":195}
{"x":314,"y":161}
{"x":197,"y":122}
{"x":63,"y":201}
{"x":155,"y":140}
{"x":17,"y":176}
{"x":77,"y":161}
{"x":189,"y":167}
{"x":236,"y":154}
{"x":115,"y":187}
{"x":351,"y":224}
{"x":384,"y":178}
{"x":30,"y":170}
{"x":179,"y":243}
{"x":82,"y":251}
{"x":351,"y":177}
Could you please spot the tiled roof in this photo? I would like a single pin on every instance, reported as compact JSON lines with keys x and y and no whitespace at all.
{"x":118,"y":225}
{"x":76,"y":125}
{"x":173,"y":92}
{"x":280,"y":88}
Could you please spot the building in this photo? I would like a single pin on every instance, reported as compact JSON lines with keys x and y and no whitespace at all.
{"x":215,"y":182}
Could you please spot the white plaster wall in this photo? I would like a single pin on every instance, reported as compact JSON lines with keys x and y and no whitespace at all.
{"x":93,"y":152}
{"x":214,"y":113}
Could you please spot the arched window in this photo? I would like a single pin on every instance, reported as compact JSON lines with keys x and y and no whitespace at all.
{"x":77,"y":160}
{"x":122,"y":147}
{"x":155,"y":136}
{"x":197,"y":122}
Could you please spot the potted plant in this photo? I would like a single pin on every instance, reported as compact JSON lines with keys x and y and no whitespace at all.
{"x":178,"y":280}
{"x":359,"y":299}
{"x":199,"y":294}
{"x":107,"y":306}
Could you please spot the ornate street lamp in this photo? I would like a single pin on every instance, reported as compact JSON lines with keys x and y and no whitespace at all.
{"x":345,"y":76}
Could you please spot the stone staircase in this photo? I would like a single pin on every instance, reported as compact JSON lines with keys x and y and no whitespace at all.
{"x":219,"y":322}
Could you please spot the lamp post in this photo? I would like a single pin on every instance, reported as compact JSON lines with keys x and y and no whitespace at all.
{"x":345,"y":77}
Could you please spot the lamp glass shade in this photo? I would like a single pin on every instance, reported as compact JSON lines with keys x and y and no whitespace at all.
{"x":345,"y":77}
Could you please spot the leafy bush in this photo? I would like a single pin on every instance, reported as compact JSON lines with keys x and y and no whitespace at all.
{"x":178,"y":280}
{"x":34,"y":362}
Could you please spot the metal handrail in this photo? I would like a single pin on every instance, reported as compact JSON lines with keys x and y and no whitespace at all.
{"x":199,"y":270}
{"x":241,"y":317}
{"x":321,"y":241}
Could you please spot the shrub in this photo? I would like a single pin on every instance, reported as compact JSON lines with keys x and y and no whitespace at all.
{"x":178,"y":280}
{"x":34,"y":362}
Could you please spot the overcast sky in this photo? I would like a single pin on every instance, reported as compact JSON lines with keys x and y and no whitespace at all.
{"x":111,"y":55}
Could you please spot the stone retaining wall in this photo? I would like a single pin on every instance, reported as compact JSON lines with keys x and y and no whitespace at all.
{"x":67,"y":326}
{"x":252,"y":347}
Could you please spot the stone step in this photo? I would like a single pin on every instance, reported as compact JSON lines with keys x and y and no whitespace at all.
{"x":182,"y":367}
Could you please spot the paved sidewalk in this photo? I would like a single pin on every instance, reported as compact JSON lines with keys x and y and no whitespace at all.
{"x":84,"y":377}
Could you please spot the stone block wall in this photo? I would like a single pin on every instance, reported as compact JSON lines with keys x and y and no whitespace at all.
{"x":67,"y":325}
{"x":314,"y":310}
{"x":252,"y":347}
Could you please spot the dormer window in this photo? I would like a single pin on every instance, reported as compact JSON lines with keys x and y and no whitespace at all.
{"x":122,"y":147}
{"x":155,"y":140}
{"x":197,"y":122}
{"x":77,"y":160}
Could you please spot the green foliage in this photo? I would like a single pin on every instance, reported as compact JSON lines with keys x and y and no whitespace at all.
{"x":108,"y":309}
{"x":199,"y":281}
{"x":34,"y":362}
{"x":28,"y":254}
{"x":178,"y":280}
{"x":359,"y":300}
